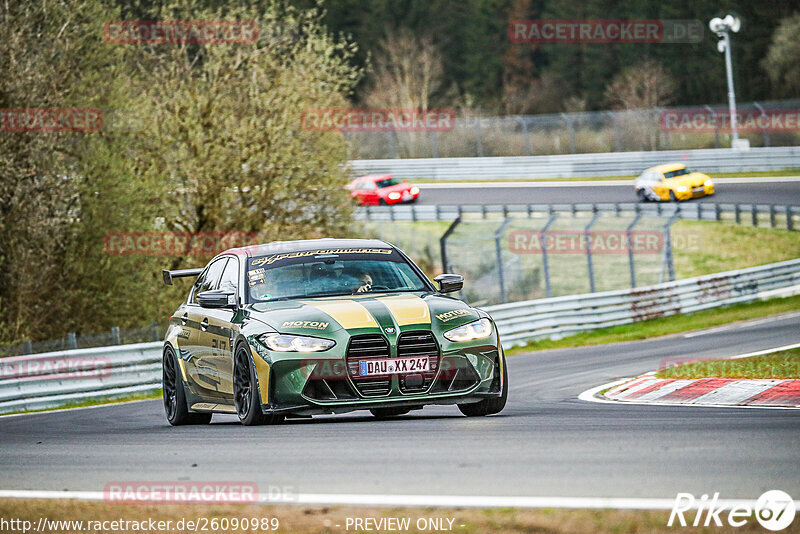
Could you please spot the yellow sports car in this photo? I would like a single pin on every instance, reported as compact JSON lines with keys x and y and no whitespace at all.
{"x":672,"y":181}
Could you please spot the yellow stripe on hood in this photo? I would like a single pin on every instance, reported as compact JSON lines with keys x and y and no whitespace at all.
{"x":348,"y":313}
{"x":407,"y":309}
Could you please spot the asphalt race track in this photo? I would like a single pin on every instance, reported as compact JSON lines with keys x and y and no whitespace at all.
{"x":546,"y":442}
{"x":759,"y":191}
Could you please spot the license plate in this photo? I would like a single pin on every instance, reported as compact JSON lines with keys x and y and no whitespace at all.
{"x":388,"y":366}
{"x":406,"y":195}
{"x":698,"y":190}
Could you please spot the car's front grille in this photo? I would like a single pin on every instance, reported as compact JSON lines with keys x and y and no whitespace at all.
{"x":417,"y":345}
{"x":366,"y":347}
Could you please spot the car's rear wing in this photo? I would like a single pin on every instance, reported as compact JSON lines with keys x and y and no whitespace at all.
{"x":179,"y":273}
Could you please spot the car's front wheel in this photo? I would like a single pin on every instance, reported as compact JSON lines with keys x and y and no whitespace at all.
{"x":488,"y":406}
{"x":175,"y":406}
{"x":246,"y":396}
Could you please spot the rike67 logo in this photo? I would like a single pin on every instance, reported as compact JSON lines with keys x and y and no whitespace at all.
{"x":774,"y":510}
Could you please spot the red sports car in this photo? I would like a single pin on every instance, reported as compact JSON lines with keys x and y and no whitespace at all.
{"x":377,"y":189}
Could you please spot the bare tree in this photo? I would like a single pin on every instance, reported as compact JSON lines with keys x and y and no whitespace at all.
{"x":640,"y":90}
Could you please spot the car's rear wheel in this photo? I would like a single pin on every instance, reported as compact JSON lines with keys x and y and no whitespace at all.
{"x":246,"y":396}
{"x":489,"y":406}
{"x":386,"y":413}
{"x":175,"y":397}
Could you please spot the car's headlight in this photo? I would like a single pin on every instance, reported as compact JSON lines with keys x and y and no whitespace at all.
{"x":708,"y":183}
{"x":475,"y":330}
{"x":394,"y":196}
{"x":415,"y":190}
{"x":681,"y":189}
{"x":292,"y":343}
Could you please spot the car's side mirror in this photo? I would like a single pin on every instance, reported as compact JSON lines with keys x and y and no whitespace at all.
{"x":215,"y":299}
{"x":449,"y":282}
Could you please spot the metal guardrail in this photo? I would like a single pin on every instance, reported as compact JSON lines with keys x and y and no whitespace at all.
{"x":55,"y":379}
{"x":61,"y":378}
{"x":739,"y":213}
{"x":520,"y":322}
{"x":581,"y":165}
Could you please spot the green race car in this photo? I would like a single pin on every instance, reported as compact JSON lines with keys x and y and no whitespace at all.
{"x":298,"y":328}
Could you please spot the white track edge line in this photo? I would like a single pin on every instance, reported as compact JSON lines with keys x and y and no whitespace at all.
{"x":443,"y":501}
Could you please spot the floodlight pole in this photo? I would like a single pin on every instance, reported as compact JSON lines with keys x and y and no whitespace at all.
{"x":731,"y":93}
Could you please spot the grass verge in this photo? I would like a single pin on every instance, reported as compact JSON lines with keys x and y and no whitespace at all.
{"x":302,"y":519}
{"x":783,"y":364}
{"x":667,"y":325}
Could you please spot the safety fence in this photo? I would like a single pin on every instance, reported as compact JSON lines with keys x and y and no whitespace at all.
{"x":580,"y":165}
{"x":762,"y":124}
{"x":54,"y":379}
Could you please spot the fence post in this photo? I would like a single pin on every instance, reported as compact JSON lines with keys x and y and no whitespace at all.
{"x":524,"y":124}
{"x":156,"y":336}
{"x":443,"y":242}
{"x":478,"y":140}
{"x":772,"y":215}
{"x":668,"y":262}
{"x":764,"y":132}
{"x":392,"y":144}
{"x":434,"y":137}
{"x":27,"y":347}
{"x":588,"y":244}
{"x":543,"y":241}
{"x":72,"y":341}
{"x":617,"y":131}
{"x":716,"y":126}
{"x":737,"y":210}
{"x":115,"y":339}
{"x":754,"y":214}
{"x":630,"y":247}
{"x":789,"y":221}
{"x":498,"y":247}
{"x":573,"y":148}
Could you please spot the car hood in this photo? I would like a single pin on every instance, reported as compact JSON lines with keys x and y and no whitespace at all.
{"x":365,"y":314}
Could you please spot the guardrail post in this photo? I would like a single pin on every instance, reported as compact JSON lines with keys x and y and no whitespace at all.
{"x":443,"y":242}
{"x":414,"y":213}
{"x":754,"y":214}
{"x":498,"y":247}
{"x":588,"y":244}
{"x":72,"y":341}
{"x":115,"y":339}
{"x":438,"y":212}
{"x":737,"y":210}
{"x":717,"y":211}
{"x":391,"y":213}
{"x":772,"y":215}
{"x":543,"y":241}
{"x":630,"y":247}
{"x":789,"y":221}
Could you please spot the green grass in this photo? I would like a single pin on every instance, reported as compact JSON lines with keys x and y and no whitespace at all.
{"x":667,"y":325}
{"x":740,"y":174}
{"x":155,"y":394}
{"x":783,"y":364}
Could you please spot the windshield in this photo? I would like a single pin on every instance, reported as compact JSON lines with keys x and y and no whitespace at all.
{"x":319,"y":273}
{"x":388,"y":182}
{"x":676,"y":173}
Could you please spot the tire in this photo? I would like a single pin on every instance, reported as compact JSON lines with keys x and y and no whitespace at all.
{"x":177,"y":411}
{"x":641,"y":196}
{"x":386,"y":413}
{"x":672,"y":197}
{"x":246,"y":396}
{"x":488,"y":406}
